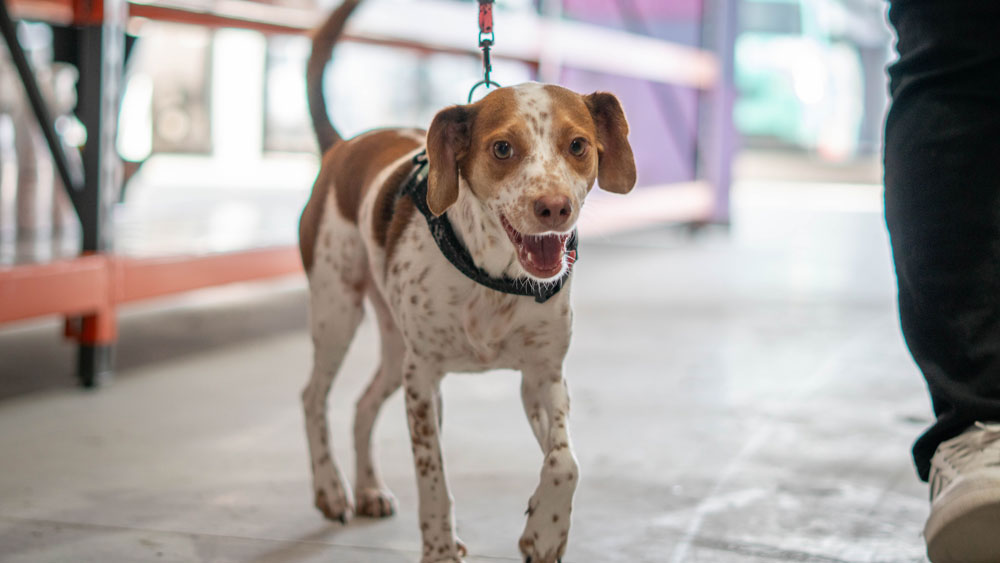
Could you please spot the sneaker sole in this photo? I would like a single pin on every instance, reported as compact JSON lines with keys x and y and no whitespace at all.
{"x":965,"y":528}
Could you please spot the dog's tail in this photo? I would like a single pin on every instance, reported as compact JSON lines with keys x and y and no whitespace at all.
{"x":324,"y":39}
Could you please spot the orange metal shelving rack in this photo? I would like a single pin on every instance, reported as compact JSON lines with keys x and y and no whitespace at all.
{"x":86,"y":290}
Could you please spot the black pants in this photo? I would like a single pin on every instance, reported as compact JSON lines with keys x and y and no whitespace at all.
{"x":942,"y":205}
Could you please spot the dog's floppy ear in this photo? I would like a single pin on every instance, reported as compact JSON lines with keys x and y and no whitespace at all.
{"x":615,"y":163}
{"x":447,"y":144}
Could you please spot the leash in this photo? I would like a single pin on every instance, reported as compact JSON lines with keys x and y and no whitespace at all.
{"x":440,"y":226}
{"x":486,"y":39}
{"x":456,"y":253}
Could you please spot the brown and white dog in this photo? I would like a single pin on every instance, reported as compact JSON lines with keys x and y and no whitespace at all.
{"x":511,"y":171}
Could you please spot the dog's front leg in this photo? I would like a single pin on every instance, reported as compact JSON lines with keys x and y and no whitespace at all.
{"x":546,"y":402}
{"x":437,"y":520}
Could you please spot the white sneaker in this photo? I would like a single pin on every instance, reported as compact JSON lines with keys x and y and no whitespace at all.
{"x":964,"y":524}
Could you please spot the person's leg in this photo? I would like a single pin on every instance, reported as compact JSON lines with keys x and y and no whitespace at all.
{"x":942,"y":203}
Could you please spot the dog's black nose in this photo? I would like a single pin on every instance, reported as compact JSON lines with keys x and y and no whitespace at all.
{"x":553,"y":211}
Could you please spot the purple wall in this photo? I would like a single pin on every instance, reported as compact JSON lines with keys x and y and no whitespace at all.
{"x":663,"y":118}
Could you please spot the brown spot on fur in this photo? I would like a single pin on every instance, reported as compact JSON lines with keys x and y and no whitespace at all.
{"x":460,"y":143}
{"x":357,"y":162}
{"x":387,"y":202}
{"x":313,"y":214}
{"x":422,"y":409}
{"x":349,"y":168}
{"x":400,"y":220}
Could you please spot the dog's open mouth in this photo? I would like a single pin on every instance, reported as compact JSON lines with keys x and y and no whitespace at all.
{"x":542,"y":256}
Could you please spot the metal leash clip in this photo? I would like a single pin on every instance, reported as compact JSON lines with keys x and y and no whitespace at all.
{"x":486,"y":39}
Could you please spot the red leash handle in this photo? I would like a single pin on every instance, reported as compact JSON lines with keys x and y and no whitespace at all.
{"x":485,"y":16}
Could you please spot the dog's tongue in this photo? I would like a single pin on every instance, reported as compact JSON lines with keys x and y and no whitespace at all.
{"x":546,"y":250}
{"x":540,"y":255}
{"x":543,"y":252}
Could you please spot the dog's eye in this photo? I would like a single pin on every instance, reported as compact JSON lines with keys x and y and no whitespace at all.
{"x":578,"y":146}
{"x":502,"y":150}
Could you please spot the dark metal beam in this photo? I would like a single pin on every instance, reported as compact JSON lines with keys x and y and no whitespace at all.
{"x":71,"y":176}
{"x":102,"y":56}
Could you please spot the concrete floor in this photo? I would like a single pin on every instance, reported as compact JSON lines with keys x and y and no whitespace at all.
{"x":740,"y":397}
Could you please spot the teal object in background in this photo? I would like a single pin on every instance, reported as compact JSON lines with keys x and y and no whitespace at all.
{"x":799,"y":83}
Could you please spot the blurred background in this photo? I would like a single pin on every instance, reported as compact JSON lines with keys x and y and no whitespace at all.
{"x":741,"y":390}
{"x":708,"y":84}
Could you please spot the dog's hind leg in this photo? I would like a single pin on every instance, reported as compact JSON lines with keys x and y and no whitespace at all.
{"x":372,"y":496}
{"x":337,"y":284}
{"x":422,"y":379}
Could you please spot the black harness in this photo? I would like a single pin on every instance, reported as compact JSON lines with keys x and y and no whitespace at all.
{"x":446,"y":239}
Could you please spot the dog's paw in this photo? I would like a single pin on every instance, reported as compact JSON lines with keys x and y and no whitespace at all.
{"x":441,"y":554}
{"x":543,"y":543}
{"x":331,"y":497}
{"x":443,"y":558}
{"x":375,"y":503}
{"x":339,"y":510}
